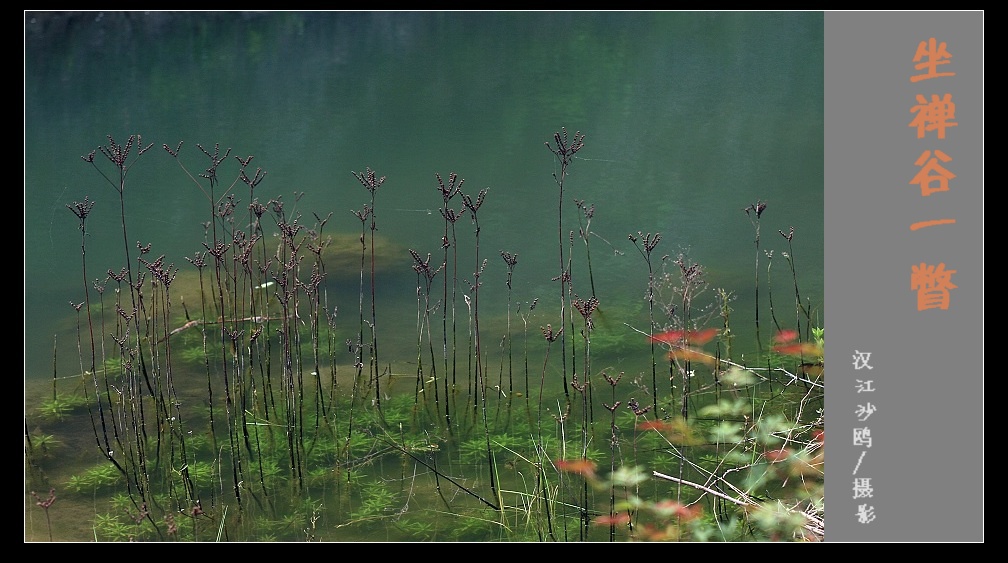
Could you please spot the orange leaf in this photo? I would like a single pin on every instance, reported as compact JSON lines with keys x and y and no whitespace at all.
{"x":799,"y":349}
{"x":677,"y":431}
{"x":659,"y":425}
{"x":698,"y":337}
{"x":581,"y":466}
{"x":812,"y":369}
{"x":651,"y":532}
{"x":692,"y":355}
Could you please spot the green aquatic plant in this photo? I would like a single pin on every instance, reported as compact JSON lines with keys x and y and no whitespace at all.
{"x":43,"y":445}
{"x":113,"y":528}
{"x":59,"y":407}
{"x":418,"y":530}
{"x":477,"y":525}
{"x":195,"y":353}
{"x":101,"y":477}
{"x":377,"y":501}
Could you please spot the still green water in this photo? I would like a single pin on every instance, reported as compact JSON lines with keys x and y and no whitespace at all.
{"x":688,"y":118}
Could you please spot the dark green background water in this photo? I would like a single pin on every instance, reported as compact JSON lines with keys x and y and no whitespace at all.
{"x":688,"y":118}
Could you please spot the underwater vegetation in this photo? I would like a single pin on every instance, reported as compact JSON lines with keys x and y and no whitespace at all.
{"x":231,"y":398}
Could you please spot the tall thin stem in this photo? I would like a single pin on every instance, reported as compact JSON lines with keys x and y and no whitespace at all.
{"x":370,"y":181}
{"x":565,"y":148}
{"x":754,"y":211}
{"x":649,"y":242}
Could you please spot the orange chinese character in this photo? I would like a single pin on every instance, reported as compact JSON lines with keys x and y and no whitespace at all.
{"x":932,"y":285}
{"x":930,"y":164}
{"x":935,"y":115}
{"x":934,"y":55}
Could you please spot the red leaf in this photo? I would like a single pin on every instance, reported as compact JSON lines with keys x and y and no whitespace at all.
{"x":698,"y":337}
{"x":785,"y":336}
{"x":773,"y":456}
{"x":612,"y":519}
{"x":670,"y":507}
{"x":668,"y":337}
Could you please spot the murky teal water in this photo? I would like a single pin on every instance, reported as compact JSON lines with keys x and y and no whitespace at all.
{"x":688,"y":118}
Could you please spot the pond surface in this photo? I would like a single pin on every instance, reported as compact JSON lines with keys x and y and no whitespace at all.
{"x":688,"y":119}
